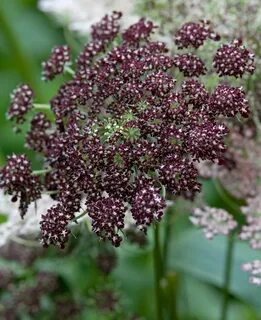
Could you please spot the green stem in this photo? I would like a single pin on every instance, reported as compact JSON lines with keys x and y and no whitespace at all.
{"x":26,"y":243}
{"x":167,"y":236}
{"x":50,"y":192}
{"x":22,"y":61}
{"x":227,"y":275}
{"x":42,"y":106}
{"x":40,"y":172}
{"x":69,"y":70}
{"x":157,"y":271}
{"x":79,"y":216}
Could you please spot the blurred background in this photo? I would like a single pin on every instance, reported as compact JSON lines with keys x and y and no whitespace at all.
{"x":90,"y":280}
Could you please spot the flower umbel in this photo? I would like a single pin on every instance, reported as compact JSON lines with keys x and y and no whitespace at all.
{"x":125,"y":130}
{"x":214,"y":221}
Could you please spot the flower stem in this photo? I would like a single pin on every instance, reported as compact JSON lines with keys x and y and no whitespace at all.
{"x":42,"y":106}
{"x":40,"y":172}
{"x":25,"y":242}
{"x":79,"y":216}
{"x":227,"y":275}
{"x":69,"y":70}
{"x":157,"y":271}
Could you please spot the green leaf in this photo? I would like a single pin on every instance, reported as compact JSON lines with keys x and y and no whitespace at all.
{"x":193,"y":254}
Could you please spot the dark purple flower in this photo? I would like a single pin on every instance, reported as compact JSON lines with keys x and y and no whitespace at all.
{"x":147,"y":205}
{"x":138,"y":31}
{"x":54,"y":226}
{"x":107,"y":29}
{"x":21,"y":103}
{"x":228,"y":101}
{"x":194,"y":34}
{"x":189,"y":64}
{"x":194,"y":92}
{"x":107,"y":216}
{"x":179,"y":175}
{"x":233,"y":59}
{"x":56,"y":62}
{"x":124,"y":130}
{"x":206,"y":141}
{"x":38,"y":137}
{"x":17,"y":180}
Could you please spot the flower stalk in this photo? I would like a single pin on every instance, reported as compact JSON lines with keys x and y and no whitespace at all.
{"x":157,"y":272}
{"x":227,"y":275}
{"x":40,"y":172}
{"x":41,"y":106}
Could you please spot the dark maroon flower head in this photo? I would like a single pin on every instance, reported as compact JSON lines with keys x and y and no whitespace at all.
{"x":159,"y":83}
{"x":193,"y":92}
{"x":107,"y":216}
{"x":139,"y":31}
{"x":21,"y":103}
{"x":54,"y":226}
{"x":228,"y":101}
{"x":233,"y":59}
{"x":194,"y":34}
{"x":189,"y":64}
{"x":56,"y":62}
{"x":107,"y":29}
{"x":179,"y":175}
{"x":37,"y":138}
{"x":17,"y":180}
{"x":206,"y":141}
{"x":124,"y":130}
{"x":147,"y":205}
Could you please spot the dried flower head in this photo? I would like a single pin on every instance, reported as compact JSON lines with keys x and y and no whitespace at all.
{"x":214,"y":221}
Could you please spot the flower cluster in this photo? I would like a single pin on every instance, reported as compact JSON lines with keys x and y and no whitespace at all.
{"x":37,"y":137}
{"x":240,"y":168}
{"x":17,"y":180}
{"x":22,"y":101}
{"x":226,"y":96}
{"x":190,"y":65}
{"x":194,"y":34}
{"x":214,"y":221}
{"x":252,"y":230}
{"x":234,"y":59}
{"x":254,"y":268}
{"x":27,"y":298}
{"x":55,"y":64}
{"x":125,"y":134}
